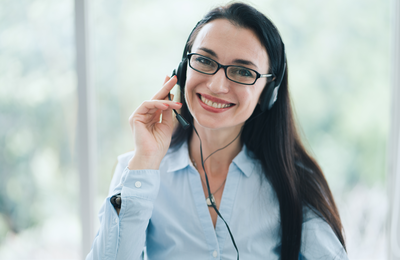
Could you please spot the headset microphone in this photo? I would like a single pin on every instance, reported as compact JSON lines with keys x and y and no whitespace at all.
{"x":185,"y":124}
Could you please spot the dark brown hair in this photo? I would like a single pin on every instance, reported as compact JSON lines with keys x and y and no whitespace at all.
{"x":296,"y":177}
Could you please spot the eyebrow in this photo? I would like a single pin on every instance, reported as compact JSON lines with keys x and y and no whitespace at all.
{"x":211,"y":52}
{"x":237,"y":61}
{"x":245,"y":62}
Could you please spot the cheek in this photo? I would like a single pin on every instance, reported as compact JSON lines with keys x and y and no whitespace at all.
{"x":259,"y":91}
{"x":250,"y":96}
{"x":190,"y":82}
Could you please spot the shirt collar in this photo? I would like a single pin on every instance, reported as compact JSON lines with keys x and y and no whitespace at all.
{"x":245,"y":162}
{"x":179,"y":159}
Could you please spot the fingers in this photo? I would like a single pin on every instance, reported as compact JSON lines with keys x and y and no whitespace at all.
{"x":166,"y":79}
{"x":148,"y":111}
{"x":168,"y":85}
{"x":153,"y":105}
{"x":167,"y":114}
{"x":167,"y":117}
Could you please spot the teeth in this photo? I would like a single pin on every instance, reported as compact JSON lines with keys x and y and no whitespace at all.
{"x":213,"y":104}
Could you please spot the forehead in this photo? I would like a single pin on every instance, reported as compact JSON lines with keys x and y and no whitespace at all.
{"x":231,"y":42}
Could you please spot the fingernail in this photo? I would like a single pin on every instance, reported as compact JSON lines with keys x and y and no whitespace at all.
{"x":166,"y":104}
{"x":178,"y":103}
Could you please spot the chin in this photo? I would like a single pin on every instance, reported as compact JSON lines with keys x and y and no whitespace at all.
{"x":216,"y":124}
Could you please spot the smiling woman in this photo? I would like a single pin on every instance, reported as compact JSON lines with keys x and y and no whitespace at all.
{"x":255,"y":175}
{"x":229,"y":44}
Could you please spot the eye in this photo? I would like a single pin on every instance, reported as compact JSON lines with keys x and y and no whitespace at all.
{"x":204,"y":61}
{"x":241,"y":72}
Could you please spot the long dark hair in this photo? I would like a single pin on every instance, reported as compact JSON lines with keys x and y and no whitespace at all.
{"x":296,"y":177}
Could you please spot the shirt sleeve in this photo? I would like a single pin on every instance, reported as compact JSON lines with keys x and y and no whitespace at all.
{"x":318,"y":240}
{"x":123,"y":236}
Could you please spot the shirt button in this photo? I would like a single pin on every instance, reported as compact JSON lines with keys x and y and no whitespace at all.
{"x":138,"y":184}
{"x":116,"y":220}
{"x":215,"y":254}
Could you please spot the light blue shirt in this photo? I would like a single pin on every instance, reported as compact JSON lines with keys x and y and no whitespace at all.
{"x":165,"y":211}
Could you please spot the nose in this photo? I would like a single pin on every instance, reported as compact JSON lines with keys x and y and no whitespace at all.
{"x":219,"y":83}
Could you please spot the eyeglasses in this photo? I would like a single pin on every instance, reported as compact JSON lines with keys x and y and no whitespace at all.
{"x":238,"y":74}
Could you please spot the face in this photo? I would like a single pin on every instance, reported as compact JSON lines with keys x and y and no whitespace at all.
{"x":214,"y":101}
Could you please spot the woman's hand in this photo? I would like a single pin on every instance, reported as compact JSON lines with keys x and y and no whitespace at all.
{"x":152,"y":136}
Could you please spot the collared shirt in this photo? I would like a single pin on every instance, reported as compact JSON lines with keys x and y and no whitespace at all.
{"x":165,"y":211}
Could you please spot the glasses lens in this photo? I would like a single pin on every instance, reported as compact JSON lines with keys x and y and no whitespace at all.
{"x":241,"y":74}
{"x":203,"y":64}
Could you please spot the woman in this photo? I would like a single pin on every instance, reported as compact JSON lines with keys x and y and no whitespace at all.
{"x":238,"y":183}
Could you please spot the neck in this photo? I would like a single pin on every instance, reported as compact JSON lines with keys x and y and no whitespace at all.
{"x":212,"y":140}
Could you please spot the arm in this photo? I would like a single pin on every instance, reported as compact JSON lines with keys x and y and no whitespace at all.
{"x":122,"y":234}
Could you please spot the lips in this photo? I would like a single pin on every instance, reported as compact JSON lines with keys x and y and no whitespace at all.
{"x":214,"y":102}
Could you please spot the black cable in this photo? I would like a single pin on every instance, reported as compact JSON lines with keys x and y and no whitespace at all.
{"x":208,"y":185}
{"x":222,"y":147}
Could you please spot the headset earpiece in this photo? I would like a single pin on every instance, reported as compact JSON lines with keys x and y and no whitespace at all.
{"x":267,"y":98}
{"x":270,"y":94}
{"x":181,"y":73}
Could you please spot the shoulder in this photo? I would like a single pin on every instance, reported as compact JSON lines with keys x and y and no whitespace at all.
{"x":318,"y":241}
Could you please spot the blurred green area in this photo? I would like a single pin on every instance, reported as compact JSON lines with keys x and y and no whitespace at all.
{"x":338,"y":58}
{"x":37,"y":113}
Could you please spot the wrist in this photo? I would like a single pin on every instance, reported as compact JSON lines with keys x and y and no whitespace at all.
{"x":139,"y":162}
{"x":116,"y":201}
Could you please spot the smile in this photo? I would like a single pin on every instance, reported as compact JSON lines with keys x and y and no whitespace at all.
{"x":214,"y":104}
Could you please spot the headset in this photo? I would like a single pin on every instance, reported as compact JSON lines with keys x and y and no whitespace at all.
{"x":268,"y":96}
{"x":267,"y":100}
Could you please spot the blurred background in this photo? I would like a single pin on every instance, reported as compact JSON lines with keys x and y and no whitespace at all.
{"x":339,"y":61}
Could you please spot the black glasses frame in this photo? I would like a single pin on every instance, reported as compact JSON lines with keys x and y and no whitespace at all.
{"x":258,"y":75}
